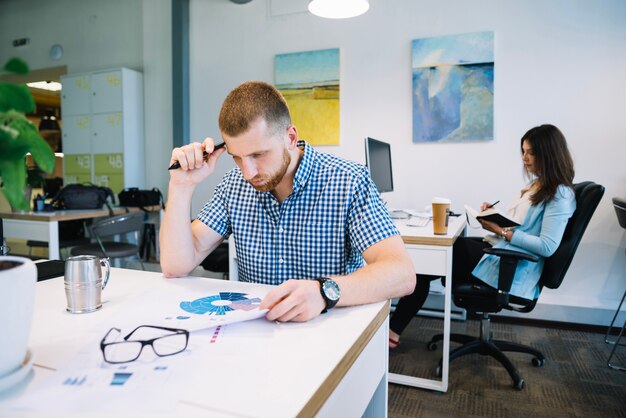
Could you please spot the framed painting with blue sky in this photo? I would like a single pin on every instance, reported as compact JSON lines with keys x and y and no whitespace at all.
{"x":453,"y":88}
{"x":309,"y":81}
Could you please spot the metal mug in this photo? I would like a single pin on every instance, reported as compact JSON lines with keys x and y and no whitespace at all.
{"x":83,"y":282}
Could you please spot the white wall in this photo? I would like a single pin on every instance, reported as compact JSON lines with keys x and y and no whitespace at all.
{"x":94,"y":34}
{"x":157,"y":75}
{"x":557,"y":61}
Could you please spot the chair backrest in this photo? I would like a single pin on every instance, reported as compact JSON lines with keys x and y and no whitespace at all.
{"x":620,"y":210}
{"x":588,"y":195}
{"x":118,"y":225}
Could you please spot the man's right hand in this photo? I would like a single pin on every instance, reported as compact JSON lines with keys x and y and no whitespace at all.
{"x":193,"y":166}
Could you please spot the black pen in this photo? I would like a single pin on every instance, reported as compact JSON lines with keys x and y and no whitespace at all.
{"x":493,"y":204}
{"x":205,"y":154}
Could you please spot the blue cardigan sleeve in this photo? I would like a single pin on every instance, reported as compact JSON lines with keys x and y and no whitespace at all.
{"x":556,"y":214}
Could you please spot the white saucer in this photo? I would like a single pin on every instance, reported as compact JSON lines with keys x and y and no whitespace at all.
{"x":17,"y":375}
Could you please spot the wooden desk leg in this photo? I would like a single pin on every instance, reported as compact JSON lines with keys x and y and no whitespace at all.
{"x":53,"y":240}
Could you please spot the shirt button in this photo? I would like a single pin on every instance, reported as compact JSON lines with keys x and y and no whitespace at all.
{"x":281,"y":230}
{"x":280,"y":260}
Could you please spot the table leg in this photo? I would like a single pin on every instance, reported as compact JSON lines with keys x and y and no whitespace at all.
{"x":53,"y":241}
{"x":447,"y":310}
{"x":420,"y":382}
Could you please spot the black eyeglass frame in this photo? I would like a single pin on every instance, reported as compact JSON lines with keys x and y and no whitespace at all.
{"x":150,"y":342}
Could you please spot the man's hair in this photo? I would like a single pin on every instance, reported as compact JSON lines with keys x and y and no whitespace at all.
{"x":249,"y":102}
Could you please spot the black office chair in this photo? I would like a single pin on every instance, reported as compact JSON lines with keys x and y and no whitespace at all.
{"x":121,"y":226}
{"x":620,"y":210}
{"x":484,"y":300}
{"x":217,"y":261}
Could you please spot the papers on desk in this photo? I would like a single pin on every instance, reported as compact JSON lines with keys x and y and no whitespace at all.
{"x":87,"y":383}
{"x":196,"y":310}
{"x":150,"y":383}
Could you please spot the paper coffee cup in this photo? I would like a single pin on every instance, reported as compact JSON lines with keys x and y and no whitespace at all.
{"x":441,"y":209}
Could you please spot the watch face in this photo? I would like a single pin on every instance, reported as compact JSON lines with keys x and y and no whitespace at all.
{"x":331,"y":290}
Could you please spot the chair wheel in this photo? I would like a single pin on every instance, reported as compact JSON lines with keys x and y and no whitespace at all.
{"x":432,"y":346}
{"x":538,"y":362}
{"x":519,"y":384}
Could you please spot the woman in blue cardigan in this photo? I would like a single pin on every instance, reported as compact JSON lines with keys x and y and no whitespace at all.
{"x":542,"y":209}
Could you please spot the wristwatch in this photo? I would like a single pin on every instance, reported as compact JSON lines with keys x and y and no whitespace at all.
{"x":330,"y":292}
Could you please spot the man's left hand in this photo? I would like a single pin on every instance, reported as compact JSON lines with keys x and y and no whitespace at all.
{"x":294,"y":300}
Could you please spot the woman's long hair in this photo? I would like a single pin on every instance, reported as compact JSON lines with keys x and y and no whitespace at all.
{"x":553,"y":162}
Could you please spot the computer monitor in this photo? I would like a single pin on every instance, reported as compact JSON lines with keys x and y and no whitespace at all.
{"x":378,"y":161}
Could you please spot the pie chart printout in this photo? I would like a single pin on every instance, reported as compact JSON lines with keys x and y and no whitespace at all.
{"x":221,"y":304}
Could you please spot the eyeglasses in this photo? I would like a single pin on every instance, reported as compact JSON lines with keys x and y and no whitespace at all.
{"x":173,"y":342}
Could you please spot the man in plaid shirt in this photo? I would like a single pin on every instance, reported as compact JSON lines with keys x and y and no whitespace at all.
{"x":311,"y":223}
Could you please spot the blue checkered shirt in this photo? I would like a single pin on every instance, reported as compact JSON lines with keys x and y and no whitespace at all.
{"x":333,"y":214}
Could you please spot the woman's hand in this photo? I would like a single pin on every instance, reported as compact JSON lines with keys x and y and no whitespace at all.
{"x":491,"y":226}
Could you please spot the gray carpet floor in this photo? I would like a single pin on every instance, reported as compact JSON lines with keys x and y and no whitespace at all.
{"x":575,"y":380}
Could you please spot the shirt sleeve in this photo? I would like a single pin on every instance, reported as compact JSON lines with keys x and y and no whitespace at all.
{"x":556,"y":214}
{"x":368,"y":219}
{"x":214,"y":214}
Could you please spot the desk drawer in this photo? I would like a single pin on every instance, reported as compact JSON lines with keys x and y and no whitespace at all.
{"x":429,"y":259}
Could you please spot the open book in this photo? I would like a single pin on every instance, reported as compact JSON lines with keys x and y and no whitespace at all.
{"x":492,"y":215}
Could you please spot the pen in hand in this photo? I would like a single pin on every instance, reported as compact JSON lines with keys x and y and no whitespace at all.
{"x":493,"y":204}
{"x":205,"y":154}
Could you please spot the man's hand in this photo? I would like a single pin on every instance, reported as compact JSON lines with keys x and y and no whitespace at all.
{"x":294,"y":300}
{"x":193,"y":166}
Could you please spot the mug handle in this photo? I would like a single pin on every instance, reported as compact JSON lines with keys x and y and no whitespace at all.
{"x":105,"y":262}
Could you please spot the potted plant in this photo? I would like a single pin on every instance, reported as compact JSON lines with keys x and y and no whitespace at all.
{"x":18,"y":275}
{"x":18,"y":136}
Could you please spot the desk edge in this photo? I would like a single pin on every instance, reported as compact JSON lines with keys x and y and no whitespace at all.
{"x":329,"y":385}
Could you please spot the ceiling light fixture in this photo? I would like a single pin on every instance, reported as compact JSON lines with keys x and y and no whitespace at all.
{"x":338,"y":9}
{"x":49,"y":122}
{"x":45,"y":85}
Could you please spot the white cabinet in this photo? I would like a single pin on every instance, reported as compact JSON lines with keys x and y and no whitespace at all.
{"x":103,"y":136}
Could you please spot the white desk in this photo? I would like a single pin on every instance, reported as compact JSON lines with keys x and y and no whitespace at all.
{"x":44,"y":226}
{"x":432,"y":254}
{"x":334,"y":365}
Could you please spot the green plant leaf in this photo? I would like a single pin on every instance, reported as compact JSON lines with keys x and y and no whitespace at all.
{"x":17,"y":137}
{"x":16,"y":66}
{"x":16,"y":97}
{"x":14,"y":180}
{"x":36,"y":145}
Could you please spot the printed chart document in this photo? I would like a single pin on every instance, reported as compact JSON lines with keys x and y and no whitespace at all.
{"x":492,"y":215}
{"x":149,"y":384}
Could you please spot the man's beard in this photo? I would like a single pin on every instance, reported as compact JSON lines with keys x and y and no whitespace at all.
{"x":273,"y":180}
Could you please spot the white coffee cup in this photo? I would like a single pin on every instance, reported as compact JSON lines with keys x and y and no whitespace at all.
{"x":18,"y":277}
{"x":441,"y":211}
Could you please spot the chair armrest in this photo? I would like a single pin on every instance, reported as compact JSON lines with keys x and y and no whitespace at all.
{"x":502,"y":252}
{"x":508,"y":264}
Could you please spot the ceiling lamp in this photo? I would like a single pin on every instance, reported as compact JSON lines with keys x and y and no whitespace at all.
{"x":338,"y":9}
{"x":45,"y":85}
{"x":49,"y":122}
